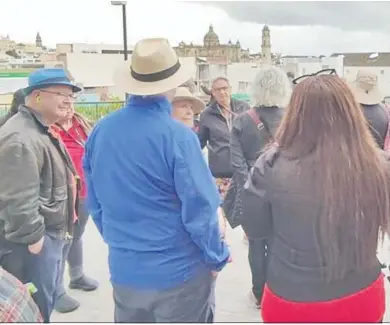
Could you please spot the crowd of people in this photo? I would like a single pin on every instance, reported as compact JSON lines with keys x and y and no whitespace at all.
{"x":303,"y":171}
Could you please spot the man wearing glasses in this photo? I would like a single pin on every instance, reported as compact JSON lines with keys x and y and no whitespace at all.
{"x":38,"y":187}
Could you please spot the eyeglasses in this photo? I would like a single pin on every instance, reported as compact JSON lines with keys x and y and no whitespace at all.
{"x":222,"y":88}
{"x":325,"y":72}
{"x":67,"y":96}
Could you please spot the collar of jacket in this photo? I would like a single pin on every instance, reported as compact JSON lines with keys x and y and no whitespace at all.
{"x":35,"y":115}
{"x":157,"y":103}
{"x":233,"y":106}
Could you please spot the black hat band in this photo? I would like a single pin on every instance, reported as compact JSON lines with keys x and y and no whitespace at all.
{"x":158,"y":76}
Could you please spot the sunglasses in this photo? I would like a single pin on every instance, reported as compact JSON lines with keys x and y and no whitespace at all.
{"x":325,"y":72}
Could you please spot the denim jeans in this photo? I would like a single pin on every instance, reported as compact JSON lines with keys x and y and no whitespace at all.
{"x":43,"y":270}
{"x":187,"y":303}
{"x":73,"y":251}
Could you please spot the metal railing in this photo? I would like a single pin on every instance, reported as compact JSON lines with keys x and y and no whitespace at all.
{"x":91,"y":110}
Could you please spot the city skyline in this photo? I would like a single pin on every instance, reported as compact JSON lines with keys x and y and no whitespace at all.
{"x":96,"y":21}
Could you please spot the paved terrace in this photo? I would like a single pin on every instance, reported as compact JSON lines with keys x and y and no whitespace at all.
{"x":233,"y":286}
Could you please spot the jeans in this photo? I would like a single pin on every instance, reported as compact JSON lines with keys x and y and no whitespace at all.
{"x":187,"y":303}
{"x":212,"y":300}
{"x":257,"y":256}
{"x":43,"y":270}
{"x":73,"y":251}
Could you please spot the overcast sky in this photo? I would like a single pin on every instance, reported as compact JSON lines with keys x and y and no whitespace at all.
{"x":301,"y":28}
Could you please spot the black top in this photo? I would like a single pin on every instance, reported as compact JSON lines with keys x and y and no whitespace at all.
{"x":280,"y":204}
{"x":247,"y":142}
{"x":377,"y":119}
{"x":214,"y":132}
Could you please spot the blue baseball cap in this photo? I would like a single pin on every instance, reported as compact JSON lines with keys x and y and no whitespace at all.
{"x":44,"y":78}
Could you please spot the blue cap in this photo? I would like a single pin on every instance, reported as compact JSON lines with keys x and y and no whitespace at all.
{"x":44,"y":78}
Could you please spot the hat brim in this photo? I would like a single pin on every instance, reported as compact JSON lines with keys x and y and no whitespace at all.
{"x":124,"y":81}
{"x":30,"y":89}
{"x":372,"y":97}
{"x":197,"y":104}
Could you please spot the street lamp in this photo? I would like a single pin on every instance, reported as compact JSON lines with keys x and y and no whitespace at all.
{"x":123,"y":4}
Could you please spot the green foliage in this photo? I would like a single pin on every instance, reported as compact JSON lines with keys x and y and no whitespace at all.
{"x":244,"y":97}
{"x":13,"y":54}
{"x":95,"y":111}
{"x":92,"y":111}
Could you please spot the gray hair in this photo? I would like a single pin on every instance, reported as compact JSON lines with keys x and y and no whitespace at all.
{"x":219,"y":78}
{"x":271,"y":87}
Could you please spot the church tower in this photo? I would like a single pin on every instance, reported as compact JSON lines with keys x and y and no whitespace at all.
{"x":266,"y":46}
{"x":38,"y":40}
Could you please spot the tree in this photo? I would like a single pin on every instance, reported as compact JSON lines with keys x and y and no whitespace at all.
{"x":13,"y":54}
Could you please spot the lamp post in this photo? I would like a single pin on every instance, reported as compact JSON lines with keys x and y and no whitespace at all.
{"x":123,"y":4}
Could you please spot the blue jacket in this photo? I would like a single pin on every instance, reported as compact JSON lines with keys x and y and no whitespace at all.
{"x":152,"y":197}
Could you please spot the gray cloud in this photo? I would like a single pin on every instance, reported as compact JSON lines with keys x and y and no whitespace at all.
{"x":348,"y":16}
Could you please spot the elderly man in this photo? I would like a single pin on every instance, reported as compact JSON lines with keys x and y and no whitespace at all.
{"x":215,"y":124}
{"x":152,"y":197}
{"x":37,"y":188}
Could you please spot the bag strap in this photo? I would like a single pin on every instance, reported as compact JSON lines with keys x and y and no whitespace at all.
{"x":257,"y":120}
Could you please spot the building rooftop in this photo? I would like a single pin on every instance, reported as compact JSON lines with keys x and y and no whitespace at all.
{"x":362,"y":59}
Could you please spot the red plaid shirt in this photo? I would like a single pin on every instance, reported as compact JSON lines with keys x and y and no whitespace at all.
{"x":16,"y":303}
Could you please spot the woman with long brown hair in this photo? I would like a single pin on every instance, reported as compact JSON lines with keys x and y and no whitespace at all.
{"x":321,"y":197}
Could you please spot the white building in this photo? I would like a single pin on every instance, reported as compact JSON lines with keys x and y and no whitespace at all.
{"x":95,"y":72}
{"x":91,"y":48}
{"x":353,"y":62}
{"x":240,"y":74}
{"x":301,"y":65}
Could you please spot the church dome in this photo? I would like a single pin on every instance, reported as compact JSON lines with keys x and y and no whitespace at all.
{"x":211,"y":38}
{"x":265,"y":28}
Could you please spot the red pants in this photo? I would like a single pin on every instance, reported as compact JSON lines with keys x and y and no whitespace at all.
{"x":365,"y":306}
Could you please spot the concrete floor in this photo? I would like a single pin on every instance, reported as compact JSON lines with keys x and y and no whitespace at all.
{"x":233,"y":286}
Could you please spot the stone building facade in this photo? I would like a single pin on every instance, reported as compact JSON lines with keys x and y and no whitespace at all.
{"x":212,"y":48}
{"x":230,"y":52}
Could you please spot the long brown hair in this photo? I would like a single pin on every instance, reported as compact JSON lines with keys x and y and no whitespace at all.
{"x":324,"y":121}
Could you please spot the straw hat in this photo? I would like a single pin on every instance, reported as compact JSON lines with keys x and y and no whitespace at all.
{"x":182,"y":93}
{"x":366,"y":88}
{"x":154,"y":69}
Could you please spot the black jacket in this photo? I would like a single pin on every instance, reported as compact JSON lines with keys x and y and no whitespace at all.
{"x":247,"y":142}
{"x":377,"y":119}
{"x":36,"y":188}
{"x":280,"y":204}
{"x":215,"y":133}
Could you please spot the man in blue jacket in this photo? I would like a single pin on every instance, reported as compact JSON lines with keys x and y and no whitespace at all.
{"x":153,"y":199}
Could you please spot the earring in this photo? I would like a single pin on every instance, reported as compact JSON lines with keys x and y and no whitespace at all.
{"x":38,"y":99}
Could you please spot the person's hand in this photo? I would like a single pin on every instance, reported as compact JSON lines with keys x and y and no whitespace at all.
{"x":215,"y":273}
{"x":37,"y":247}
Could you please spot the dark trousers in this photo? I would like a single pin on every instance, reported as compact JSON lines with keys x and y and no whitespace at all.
{"x":187,"y":303}
{"x":73,"y":251}
{"x":257,"y":256}
{"x":42,"y":270}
